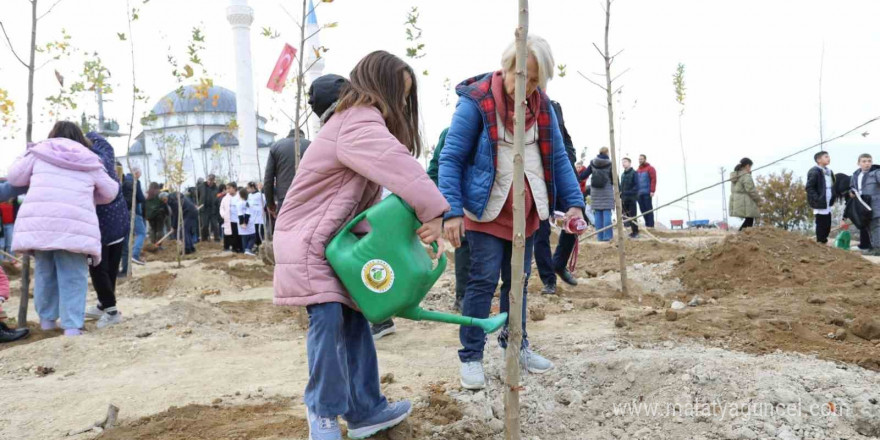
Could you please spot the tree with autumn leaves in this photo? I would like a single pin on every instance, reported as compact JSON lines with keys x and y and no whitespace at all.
{"x":784,"y":201}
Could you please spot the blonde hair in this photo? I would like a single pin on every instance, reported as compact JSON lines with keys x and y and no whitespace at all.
{"x":603,"y":150}
{"x":538,"y":47}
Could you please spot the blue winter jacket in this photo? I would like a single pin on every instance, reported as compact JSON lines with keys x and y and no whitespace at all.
{"x":113,"y":219}
{"x":467,"y":162}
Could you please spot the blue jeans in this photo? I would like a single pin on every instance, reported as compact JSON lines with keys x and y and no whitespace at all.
{"x":60,"y":285}
{"x":247,"y":242}
{"x":603,"y":219}
{"x":490,"y":256}
{"x":543,"y":257}
{"x":645,"y":204}
{"x":343,"y":369}
{"x":7,"y":239}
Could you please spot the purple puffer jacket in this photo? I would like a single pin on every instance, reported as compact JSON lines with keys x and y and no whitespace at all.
{"x":66,"y":181}
{"x":341,"y":175}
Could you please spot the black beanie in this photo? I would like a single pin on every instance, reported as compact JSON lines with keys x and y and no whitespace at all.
{"x":324,"y":91}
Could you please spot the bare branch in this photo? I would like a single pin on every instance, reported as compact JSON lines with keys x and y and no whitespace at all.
{"x":310,"y":66}
{"x":601,"y":54}
{"x":619,"y":75}
{"x":616,"y":90}
{"x":12,"y":49}
{"x":312,"y":35}
{"x":615,"y":55}
{"x":593,"y":82}
{"x":305,"y":119}
{"x":291,"y":16}
{"x":49,"y":10}
{"x":285,"y":114}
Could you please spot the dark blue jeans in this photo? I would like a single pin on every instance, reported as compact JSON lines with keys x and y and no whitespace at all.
{"x":490,"y":257}
{"x":343,"y":369}
{"x":645,"y":204}
{"x":549,"y":266}
{"x":462,"y":266}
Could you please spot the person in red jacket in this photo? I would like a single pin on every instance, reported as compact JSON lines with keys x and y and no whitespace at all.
{"x":647,"y":182}
{"x":7,"y":212}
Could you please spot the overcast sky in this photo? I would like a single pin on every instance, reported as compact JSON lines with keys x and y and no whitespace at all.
{"x":752,"y":69}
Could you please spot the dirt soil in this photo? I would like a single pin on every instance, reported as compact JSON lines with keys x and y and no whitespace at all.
{"x":209,"y":357}
{"x":37,"y":334}
{"x":272,"y":420}
{"x":155,"y":284}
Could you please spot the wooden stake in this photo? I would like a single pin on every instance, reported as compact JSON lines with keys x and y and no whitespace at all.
{"x":517,"y":259}
{"x":621,"y":243}
{"x":7,"y":255}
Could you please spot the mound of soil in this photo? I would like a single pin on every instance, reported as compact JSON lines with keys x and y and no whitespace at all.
{"x":594,"y":260}
{"x":168,"y":253}
{"x":272,"y":420}
{"x":153,"y":285}
{"x":769,"y":257}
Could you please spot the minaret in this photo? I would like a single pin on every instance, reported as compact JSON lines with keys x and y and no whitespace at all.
{"x":240,"y":17}
{"x":317,"y":70}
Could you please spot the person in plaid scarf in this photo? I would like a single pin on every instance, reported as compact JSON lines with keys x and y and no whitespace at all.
{"x":476,"y":177}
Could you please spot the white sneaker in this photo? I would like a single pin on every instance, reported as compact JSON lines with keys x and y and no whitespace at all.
{"x":137,"y":261}
{"x":250,"y":254}
{"x":93,"y":313}
{"x":107,"y":319}
{"x":534,"y":362}
{"x":472,"y":375}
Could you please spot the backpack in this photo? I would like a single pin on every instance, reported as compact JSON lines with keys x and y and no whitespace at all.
{"x":858,"y":213}
{"x":600,"y":179}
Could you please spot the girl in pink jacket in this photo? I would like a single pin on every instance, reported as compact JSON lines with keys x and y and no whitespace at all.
{"x":369,"y":143}
{"x":58,"y":223}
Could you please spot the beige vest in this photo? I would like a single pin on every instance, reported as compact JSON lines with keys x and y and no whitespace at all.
{"x":534,"y":169}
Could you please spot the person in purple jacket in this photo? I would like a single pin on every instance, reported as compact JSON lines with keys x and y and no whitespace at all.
{"x":58,"y":222}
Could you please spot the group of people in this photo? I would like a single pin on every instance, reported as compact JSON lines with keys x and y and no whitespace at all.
{"x":859,"y":193}
{"x":465,"y":197}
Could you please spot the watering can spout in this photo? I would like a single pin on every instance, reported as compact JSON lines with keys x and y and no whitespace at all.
{"x":489,"y":325}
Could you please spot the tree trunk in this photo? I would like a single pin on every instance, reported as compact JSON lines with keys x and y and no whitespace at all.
{"x":517,"y":258}
{"x":26,"y":265}
{"x":621,"y":242}
{"x":181,"y":234}
{"x":299,"y":86}
{"x":133,"y":210}
{"x":684,"y":169}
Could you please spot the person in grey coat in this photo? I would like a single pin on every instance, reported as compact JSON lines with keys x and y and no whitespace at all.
{"x":866,"y":181}
{"x":601,"y":192}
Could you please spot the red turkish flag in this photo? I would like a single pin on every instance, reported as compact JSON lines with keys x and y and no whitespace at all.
{"x":282,"y":67}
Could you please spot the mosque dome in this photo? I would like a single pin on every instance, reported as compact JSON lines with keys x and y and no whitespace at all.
{"x":188,"y":100}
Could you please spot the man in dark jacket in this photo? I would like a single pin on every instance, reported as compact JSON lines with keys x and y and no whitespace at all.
{"x":140,"y":226}
{"x":190,"y":218}
{"x":281,"y":169}
{"x":549,"y":267}
{"x":629,"y":196}
{"x":820,"y":194}
{"x":207,"y":196}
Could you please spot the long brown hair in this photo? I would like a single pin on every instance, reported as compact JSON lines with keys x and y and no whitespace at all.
{"x":69,"y":130}
{"x":378,"y":81}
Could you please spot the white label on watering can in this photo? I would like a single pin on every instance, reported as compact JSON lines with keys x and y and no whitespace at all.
{"x":378,"y":276}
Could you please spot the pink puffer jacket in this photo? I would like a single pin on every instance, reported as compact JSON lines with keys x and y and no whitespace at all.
{"x":66,"y":181}
{"x":341,"y":175}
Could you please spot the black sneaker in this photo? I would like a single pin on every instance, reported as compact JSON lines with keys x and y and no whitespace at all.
{"x":567,"y":277}
{"x":9,"y":335}
{"x":382,"y":329}
{"x":549,"y":289}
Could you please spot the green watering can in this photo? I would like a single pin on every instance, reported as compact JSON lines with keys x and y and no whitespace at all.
{"x":387,"y":272}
